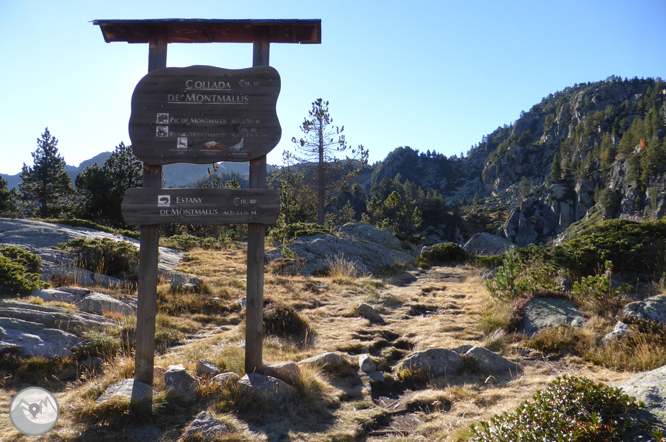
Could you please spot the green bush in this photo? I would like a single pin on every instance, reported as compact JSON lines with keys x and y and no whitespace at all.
{"x":596,"y":292}
{"x":15,"y":279}
{"x":19,"y":256}
{"x":570,"y":409}
{"x":118,"y":259}
{"x":520,"y":275}
{"x":446,"y":253}
{"x":186,"y":241}
{"x":631,"y":246}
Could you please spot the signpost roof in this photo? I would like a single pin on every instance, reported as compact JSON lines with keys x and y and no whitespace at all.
{"x":211,"y":30}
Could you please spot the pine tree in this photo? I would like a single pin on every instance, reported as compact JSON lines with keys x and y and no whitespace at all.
{"x":556,"y":169}
{"x":46,"y":184}
{"x":101,"y":189}
{"x":319,"y":149}
{"x":6,"y":202}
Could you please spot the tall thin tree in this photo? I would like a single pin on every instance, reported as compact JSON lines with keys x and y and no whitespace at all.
{"x":321,"y":148}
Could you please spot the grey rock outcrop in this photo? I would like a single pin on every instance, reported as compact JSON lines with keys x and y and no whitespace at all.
{"x":43,"y":238}
{"x":434,"y":361}
{"x":127,"y":389}
{"x":541,"y":313}
{"x":369,"y":248}
{"x":650,"y":388}
{"x":266,"y":388}
{"x":100,"y":303}
{"x":489,"y":362}
{"x":487,"y":244}
{"x":650,"y":309}
{"x":206,"y":427}
{"x":180,"y":383}
{"x":53,"y":317}
{"x":32,"y":338}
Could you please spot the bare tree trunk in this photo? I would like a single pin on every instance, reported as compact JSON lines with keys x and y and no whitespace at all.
{"x":322,"y":182}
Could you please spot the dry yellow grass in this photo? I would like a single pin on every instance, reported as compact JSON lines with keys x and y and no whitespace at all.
{"x":443,"y":308}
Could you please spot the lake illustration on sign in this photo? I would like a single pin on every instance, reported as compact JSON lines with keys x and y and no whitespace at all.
{"x":205,"y":114}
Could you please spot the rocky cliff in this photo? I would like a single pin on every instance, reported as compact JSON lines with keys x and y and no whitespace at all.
{"x":593,"y":144}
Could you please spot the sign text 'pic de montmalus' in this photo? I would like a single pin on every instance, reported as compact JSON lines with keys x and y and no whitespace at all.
{"x":205,"y":114}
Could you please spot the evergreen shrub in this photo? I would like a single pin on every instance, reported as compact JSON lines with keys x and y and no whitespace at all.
{"x":570,"y":409}
{"x":105,"y":256}
{"x":446,"y":253}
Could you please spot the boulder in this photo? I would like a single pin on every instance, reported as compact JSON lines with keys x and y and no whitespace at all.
{"x":332,"y":362}
{"x":403,"y":279}
{"x":285,"y":371}
{"x":541,"y":313}
{"x":650,"y":309}
{"x":370,"y":313}
{"x":206,"y":427}
{"x":57,"y":295}
{"x":650,"y":388}
{"x":128,"y":389}
{"x":226,"y":378}
{"x":620,"y":329}
{"x":266,"y":388}
{"x":489,"y":362}
{"x":369,"y":248}
{"x":206,"y":368}
{"x":434,"y":361}
{"x":366,"y":364}
{"x":100,"y":303}
{"x":180,"y":383}
{"x":487,"y":244}
{"x":376,"y":376}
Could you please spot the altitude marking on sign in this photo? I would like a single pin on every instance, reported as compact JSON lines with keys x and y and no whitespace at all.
{"x":205,"y":114}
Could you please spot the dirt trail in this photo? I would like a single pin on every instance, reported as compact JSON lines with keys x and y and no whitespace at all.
{"x":440,"y":307}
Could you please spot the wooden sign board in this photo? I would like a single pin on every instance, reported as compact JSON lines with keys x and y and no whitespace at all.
{"x":204,"y":114}
{"x":142,"y":206}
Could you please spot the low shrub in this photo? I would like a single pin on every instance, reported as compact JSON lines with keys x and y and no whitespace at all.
{"x":571,"y":409}
{"x":17,"y":271}
{"x":518,"y":276}
{"x":442,"y":254}
{"x":118,"y":259}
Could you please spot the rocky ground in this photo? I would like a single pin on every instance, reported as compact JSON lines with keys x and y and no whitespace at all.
{"x":355,"y":375}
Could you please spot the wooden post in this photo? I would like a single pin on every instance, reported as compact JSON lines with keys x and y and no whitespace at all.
{"x":147,"y":286}
{"x":254,"y":312}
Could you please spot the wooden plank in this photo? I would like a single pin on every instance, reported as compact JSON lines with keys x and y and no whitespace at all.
{"x":254,"y":311}
{"x":200,"y":206}
{"x":144,"y":358}
{"x":211,"y":30}
{"x":205,"y":114}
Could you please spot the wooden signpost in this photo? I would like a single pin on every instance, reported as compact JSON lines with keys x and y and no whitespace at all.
{"x":198,"y":115}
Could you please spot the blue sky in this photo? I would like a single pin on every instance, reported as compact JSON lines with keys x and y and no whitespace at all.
{"x":433,"y":75}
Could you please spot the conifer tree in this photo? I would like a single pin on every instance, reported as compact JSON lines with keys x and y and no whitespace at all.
{"x":6,"y":203}
{"x":46,"y":184}
{"x":319,"y":149}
